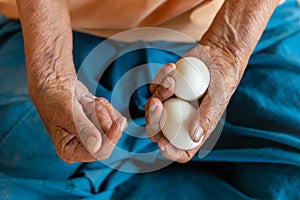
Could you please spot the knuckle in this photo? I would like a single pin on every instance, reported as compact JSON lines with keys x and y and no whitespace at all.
{"x":209,"y":117}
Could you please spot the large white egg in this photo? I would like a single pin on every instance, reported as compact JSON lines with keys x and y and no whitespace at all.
{"x":174,"y":123}
{"x":191,"y":78}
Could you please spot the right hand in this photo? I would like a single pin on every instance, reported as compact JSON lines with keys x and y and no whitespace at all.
{"x":64,"y":104}
{"x":79,"y":124}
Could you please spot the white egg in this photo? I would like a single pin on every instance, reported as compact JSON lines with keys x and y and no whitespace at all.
{"x":191,"y":77}
{"x":174,"y":123}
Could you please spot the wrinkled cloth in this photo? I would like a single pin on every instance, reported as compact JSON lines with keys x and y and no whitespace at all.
{"x":257,"y":155}
{"x":105,"y":18}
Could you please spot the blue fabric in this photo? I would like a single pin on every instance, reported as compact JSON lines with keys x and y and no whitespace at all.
{"x":257,"y":155}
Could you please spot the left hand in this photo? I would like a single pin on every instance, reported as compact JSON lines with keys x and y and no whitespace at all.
{"x":224,"y":81}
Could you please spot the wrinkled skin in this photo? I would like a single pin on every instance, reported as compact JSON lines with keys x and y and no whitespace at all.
{"x":211,"y":108}
{"x":225,"y":48}
{"x":79,"y":124}
{"x":67,"y":108}
{"x":72,"y":116}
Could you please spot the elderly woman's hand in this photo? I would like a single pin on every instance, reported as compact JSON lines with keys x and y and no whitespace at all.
{"x":229,"y":43}
{"x":79,"y":123}
{"x":224,"y":81}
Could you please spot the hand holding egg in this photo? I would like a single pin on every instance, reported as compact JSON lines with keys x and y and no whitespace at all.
{"x":192,"y":79}
{"x":225,"y":72}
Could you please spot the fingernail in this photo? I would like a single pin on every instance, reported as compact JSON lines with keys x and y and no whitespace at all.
{"x":99,"y":107}
{"x":123,"y":123}
{"x":91,"y":143}
{"x":198,"y":133}
{"x":170,"y":67}
{"x":201,"y":139}
{"x":161,"y":146}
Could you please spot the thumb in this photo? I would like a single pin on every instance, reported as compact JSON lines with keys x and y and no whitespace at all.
{"x":89,"y":135}
{"x":206,"y":118}
{"x":195,"y":130}
{"x":211,"y":107}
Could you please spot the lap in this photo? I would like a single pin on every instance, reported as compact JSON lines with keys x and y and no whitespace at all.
{"x":261,"y":124}
{"x":264,"y":112}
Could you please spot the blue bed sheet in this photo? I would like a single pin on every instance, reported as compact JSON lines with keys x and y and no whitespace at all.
{"x":256,"y":157}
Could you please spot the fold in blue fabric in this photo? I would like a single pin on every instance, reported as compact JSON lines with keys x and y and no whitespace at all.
{"x":256,"y":157}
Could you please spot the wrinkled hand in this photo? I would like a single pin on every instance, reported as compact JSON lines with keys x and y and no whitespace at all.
{"x":224,"y":81}
{"x":79,"y":123}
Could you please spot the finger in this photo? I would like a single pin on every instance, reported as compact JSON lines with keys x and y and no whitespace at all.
{"x":195,"y":130}
{"x":103,"y":118}
{"x":86,"y":130}
{"x":165,"y":90}
{"x":114,"y":113}
{"x":70,"y":149}
{"x":96,"y":111}
{"x":88,"y":103}
{"x":153,"y":116}
{"x":103,"y":114}
{"x":173,"y":153}
{"x":211,"y":108}
{"x":162,"y":74}
{"x":206,"y":118}
{"x":114,"y":133}
{"x":111,"y":138}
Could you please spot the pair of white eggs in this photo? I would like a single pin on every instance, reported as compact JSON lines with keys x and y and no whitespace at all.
{"x":191,"y":81}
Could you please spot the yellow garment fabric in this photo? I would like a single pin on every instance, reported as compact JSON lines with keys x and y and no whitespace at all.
{"x":108,"y":17}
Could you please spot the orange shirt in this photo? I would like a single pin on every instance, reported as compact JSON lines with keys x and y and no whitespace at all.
{"x":108,"y":17}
